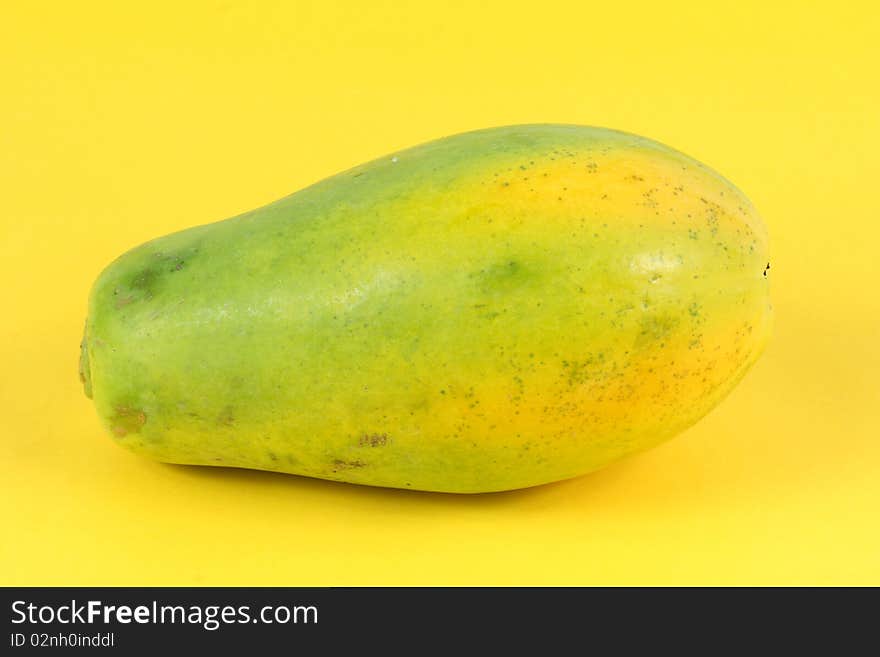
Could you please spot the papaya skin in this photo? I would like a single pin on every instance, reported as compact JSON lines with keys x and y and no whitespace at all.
{"x":489,"y":311}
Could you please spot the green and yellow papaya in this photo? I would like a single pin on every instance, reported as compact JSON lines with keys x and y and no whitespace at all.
{"x":488,"y":311}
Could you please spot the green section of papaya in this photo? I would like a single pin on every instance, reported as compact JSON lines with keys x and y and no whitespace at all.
{"x":489,"y":311}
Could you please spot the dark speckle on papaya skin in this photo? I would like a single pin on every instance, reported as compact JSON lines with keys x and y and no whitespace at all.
{"x":374,"y":440}
{"x":144,"y":281}
{"x":144,"y":284}
{"x":654,"y":328}
{"x":339,"y":464}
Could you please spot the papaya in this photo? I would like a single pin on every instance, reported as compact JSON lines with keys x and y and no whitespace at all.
{"x":489,"y":311}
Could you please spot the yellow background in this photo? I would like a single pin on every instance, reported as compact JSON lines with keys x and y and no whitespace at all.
{"x":122,"y":121}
